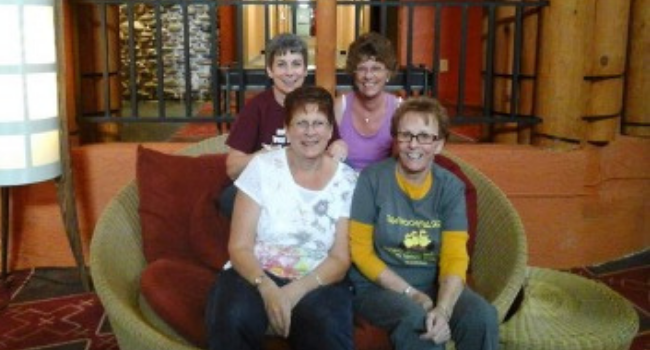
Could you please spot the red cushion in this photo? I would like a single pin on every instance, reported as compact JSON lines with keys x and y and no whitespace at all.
{"x":369,"y":337}
{"x":169,"y":186}
{"x":209,"y":232}
{"x":470,"y":198}
{"x":177,"y":290}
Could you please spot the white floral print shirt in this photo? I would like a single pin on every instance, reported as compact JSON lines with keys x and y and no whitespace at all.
{"x":296,"y":228}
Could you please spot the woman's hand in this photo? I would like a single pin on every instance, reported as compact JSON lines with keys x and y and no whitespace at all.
{"x":422,"y":299}
{"x":293,"y":292}
{"x":437,"y":326}
{"x":338,"y":150}
{"x":278,"y":305}
{"x":279,"y":301}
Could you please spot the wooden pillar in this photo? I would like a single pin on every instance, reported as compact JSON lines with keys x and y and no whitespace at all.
{"x":637,"y":107}
{"x":326,"y":45}
{"x":529,"y":60}
{"x":93,"y":47}
{"x":560,"y":90}
{"x":503,"y":53}
{"x":227,"y":34}
{"x":506,"y":21}
{"x":69,"y":82}
{"x":605,"y":67}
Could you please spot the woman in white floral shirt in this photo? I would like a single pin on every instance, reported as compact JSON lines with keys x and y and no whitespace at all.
{"x":289,"y":241}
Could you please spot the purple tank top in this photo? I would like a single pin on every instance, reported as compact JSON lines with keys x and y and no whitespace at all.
{"x":364,"y":150}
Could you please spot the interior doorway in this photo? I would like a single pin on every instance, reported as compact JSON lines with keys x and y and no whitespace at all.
{"x":262,"y":23}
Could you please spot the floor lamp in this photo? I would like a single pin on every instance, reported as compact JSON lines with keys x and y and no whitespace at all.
{"x":33,"y":130}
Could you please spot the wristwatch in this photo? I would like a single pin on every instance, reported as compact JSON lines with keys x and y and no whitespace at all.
{"x":258,"y":280}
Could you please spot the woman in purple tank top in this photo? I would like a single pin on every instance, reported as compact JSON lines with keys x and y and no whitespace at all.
{"x":364,"y":115}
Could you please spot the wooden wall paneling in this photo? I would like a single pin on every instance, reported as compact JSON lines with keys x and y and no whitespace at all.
{"x":637,"y":107}
{"x":560,"y":89}
{"x":604,"y":70}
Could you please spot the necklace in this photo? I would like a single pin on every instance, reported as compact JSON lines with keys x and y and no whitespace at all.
{"x":371,"y":109}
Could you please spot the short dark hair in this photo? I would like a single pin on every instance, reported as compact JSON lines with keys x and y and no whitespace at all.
{"x":426,"y":106}
{"x":304,"y":95}
{"x":371,"y":45}
{"x":286,"y":43}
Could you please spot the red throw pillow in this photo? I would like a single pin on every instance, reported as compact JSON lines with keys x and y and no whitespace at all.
{"x":169,"y":187}
{"x":209,"y":232}
{"x":177,"y":290}
{"x":470,"y":198}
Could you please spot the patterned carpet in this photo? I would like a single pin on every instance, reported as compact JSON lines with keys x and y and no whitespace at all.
{"x":49,"y":310}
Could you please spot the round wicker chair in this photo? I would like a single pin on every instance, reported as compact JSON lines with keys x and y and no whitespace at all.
{"x":117,"y":261}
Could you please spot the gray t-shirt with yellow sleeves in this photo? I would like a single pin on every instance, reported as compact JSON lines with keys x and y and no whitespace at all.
{"x":407,"y":232}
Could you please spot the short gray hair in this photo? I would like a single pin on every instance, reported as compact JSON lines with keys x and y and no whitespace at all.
{"x":286,"y":43}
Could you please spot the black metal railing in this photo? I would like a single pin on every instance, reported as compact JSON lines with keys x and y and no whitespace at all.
{"x":143,"y":75}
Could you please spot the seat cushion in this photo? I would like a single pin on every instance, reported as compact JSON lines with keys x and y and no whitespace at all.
{"x":169,"y":186}
{"x":177,"y":291}
{"x":369,"y":337}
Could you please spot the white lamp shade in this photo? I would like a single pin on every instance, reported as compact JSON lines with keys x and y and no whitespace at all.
{"x":29,"y":112}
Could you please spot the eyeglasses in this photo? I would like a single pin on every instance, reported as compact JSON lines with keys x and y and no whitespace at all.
{"x":422,"y":138}
{"x":374,"y":70}
{"x":317,"y":125}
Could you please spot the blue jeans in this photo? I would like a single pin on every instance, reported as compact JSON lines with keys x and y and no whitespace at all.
{"x":474,"y":322}
{"x":236,"y":318}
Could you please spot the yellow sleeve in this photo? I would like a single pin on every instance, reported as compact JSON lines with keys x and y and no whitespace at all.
{"x":454,"y":259}
{"x":363,"y":250}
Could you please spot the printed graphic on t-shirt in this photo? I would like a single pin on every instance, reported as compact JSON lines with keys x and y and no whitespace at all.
{"x":417,"y":240}
{"x":299,"y":250}
{"x":297,"y":227}
{"x":280,"y":138}
{"x":417,"y":246}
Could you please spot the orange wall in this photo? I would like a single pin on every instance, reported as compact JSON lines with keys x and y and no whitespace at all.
{"x":580,"y":207}
{"x":450,"y":48}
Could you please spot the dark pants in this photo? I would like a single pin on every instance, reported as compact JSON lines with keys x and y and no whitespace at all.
{"x":474,"y":321}
{"x":236,"y":318}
